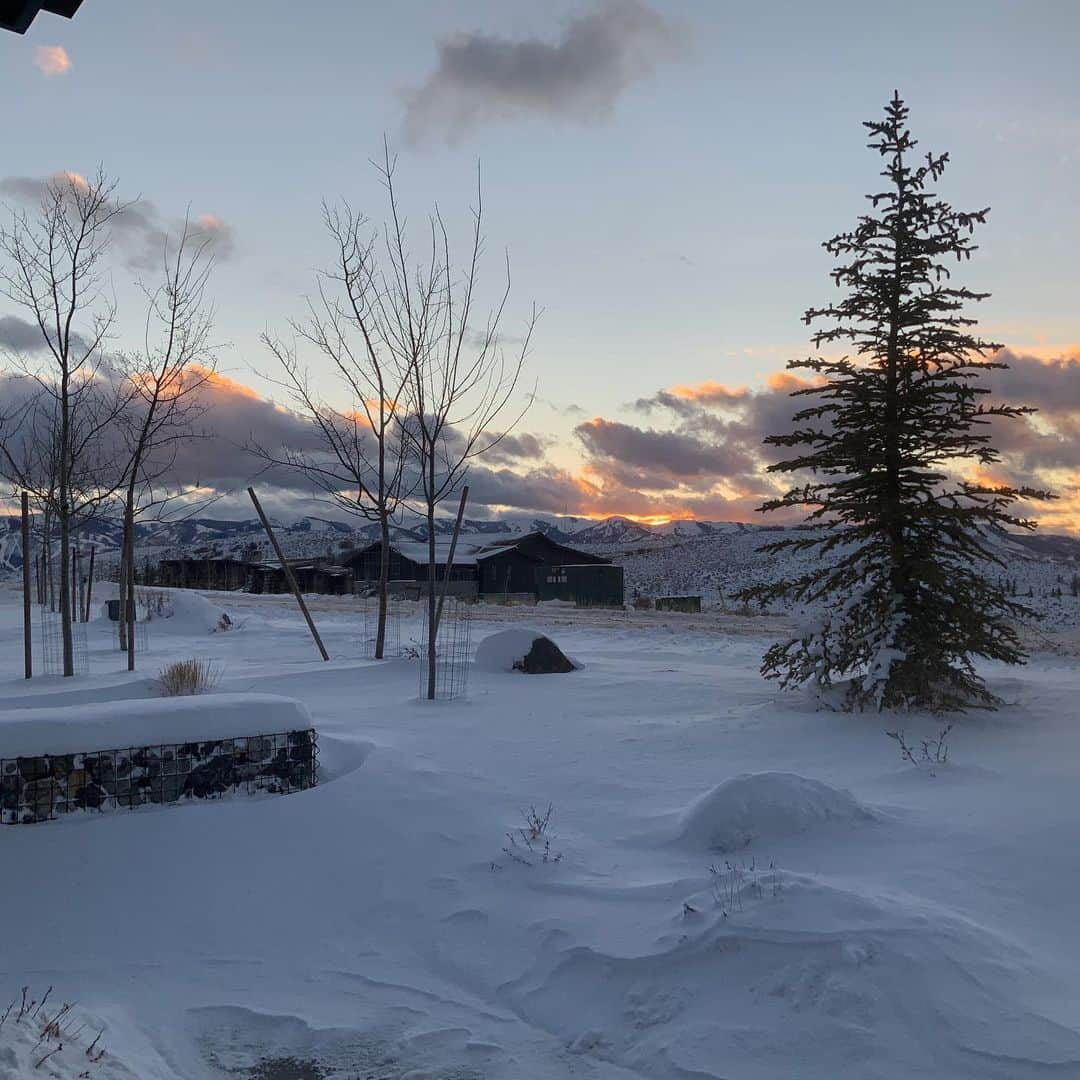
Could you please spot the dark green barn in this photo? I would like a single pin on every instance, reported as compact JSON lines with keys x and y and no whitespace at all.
{"x":585,"y":584}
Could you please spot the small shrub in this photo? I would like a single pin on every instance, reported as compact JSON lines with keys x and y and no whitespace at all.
{"x":531,"y":844}
{"x":188,"y":677}
{"x":930,"y":752}
{"x":729,"y":882}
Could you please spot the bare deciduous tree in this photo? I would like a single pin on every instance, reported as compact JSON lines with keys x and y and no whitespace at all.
{"x":461,"y":380}
{"x":165,"y":379}
{"x":59,"y":444}
{"x":360,"y":463}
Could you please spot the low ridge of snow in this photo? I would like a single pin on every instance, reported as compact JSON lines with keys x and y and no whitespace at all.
{"x":764,"y":806}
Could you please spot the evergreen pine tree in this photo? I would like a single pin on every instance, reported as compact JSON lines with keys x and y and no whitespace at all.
{"x":881,"y":455}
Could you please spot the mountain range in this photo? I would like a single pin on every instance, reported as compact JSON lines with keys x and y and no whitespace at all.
{"x":313,"y":536}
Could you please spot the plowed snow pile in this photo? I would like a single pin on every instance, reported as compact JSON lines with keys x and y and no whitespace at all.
{"x":765,"y":806}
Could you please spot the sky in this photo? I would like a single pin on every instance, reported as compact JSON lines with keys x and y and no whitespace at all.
{"x":662,"y":176}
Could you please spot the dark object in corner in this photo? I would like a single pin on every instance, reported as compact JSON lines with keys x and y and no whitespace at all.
{"x":17,"y":15}
{"x":544,"y":658}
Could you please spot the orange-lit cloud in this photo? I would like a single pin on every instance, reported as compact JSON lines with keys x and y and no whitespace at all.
{"x":709,"y":392}
{"x":76,"y":180}
{"x":786,"y":382}
{"x":52,"y":60}
{"x":217,"y":384}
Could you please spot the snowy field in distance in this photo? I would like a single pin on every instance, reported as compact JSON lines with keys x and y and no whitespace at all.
{"x":865,"y":919}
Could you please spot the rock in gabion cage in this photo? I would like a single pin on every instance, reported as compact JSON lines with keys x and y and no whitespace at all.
{"x":52,"y":644}
{"x":45,"y":787}
{"x":453,"y":651}
{"x":392,"y":639}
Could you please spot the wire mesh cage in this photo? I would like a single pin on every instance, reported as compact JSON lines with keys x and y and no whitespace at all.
{"x":370,"y":614}
{"x":142,"y":633}
{"x":453,"y":651}
{"x":52,"y":644}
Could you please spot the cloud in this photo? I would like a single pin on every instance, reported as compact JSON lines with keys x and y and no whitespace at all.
{"x":139,"y":231}
{"x":19,"y":336}
{"x":674,"y":455}
{"x":218,"y":232}
{"x":482,"y":77}
{"x":512,"y":448}
{"x":700,"y":454}
{"x":52,"y":60}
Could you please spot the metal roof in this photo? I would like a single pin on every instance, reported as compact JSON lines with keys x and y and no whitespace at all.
{"x":17,"y":15}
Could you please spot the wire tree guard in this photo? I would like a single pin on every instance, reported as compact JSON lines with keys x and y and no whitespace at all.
{"x":52,"y":644}
{"x":369,"y":609}
{"x":453,"y":651}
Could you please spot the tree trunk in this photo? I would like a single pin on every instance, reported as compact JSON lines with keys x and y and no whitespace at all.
{"x":129,"y":539}
{"x":433,"y":627}
{"x":384,"y":575}
{"x":65,"y":593}
{"x":893,"y":494}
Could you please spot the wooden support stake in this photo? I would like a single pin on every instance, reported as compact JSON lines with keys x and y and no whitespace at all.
{"x":90,"y":583}
{"x":287,"y":571}
{"x":28,"y":639}
{"x":73,"y":607}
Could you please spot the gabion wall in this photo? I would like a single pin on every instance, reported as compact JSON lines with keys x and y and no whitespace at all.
{"x":50,"y":786}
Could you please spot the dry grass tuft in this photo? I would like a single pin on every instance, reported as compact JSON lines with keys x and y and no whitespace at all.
{"x":188,"y":677}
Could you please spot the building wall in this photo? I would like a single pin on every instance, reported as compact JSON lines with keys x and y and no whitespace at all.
{"x":507,"y":572}
{"x":590,"y":585}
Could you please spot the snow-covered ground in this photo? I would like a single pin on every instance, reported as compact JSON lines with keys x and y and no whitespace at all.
{"x":738,"y":885}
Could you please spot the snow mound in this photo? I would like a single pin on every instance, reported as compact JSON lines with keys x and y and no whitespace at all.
{"x":502,"y":651}
{"x":764,"y":806}
{"x":191,"y":614}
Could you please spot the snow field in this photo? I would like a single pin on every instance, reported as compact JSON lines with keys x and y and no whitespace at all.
{"x":899,"y":925}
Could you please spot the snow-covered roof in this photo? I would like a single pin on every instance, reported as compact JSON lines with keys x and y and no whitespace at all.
{"x":470,"y":549}
{"x":417,"y":551}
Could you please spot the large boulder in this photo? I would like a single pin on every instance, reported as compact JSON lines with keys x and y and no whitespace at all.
{"x":522,"y":650}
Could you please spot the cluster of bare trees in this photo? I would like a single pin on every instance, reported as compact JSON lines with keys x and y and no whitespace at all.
{"x":88,"y":430}
{"x":422,"y":382}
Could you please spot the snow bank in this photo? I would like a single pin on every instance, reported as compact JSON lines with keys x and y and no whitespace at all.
{"x":151,"y":721}
{"x":191,"y":614}
{"x":501,"y":651}
{"x":764,"y":806}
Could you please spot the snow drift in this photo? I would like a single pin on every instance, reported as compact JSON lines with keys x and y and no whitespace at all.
{"x":764,"y":806}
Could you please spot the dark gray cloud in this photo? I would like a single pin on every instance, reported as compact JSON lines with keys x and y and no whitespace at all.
{"x":19,"y":336}
{"x":525,"y":448}
{"x":482,"y":77}
{"x":139,"y":231}
{"x":676,"y":455}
